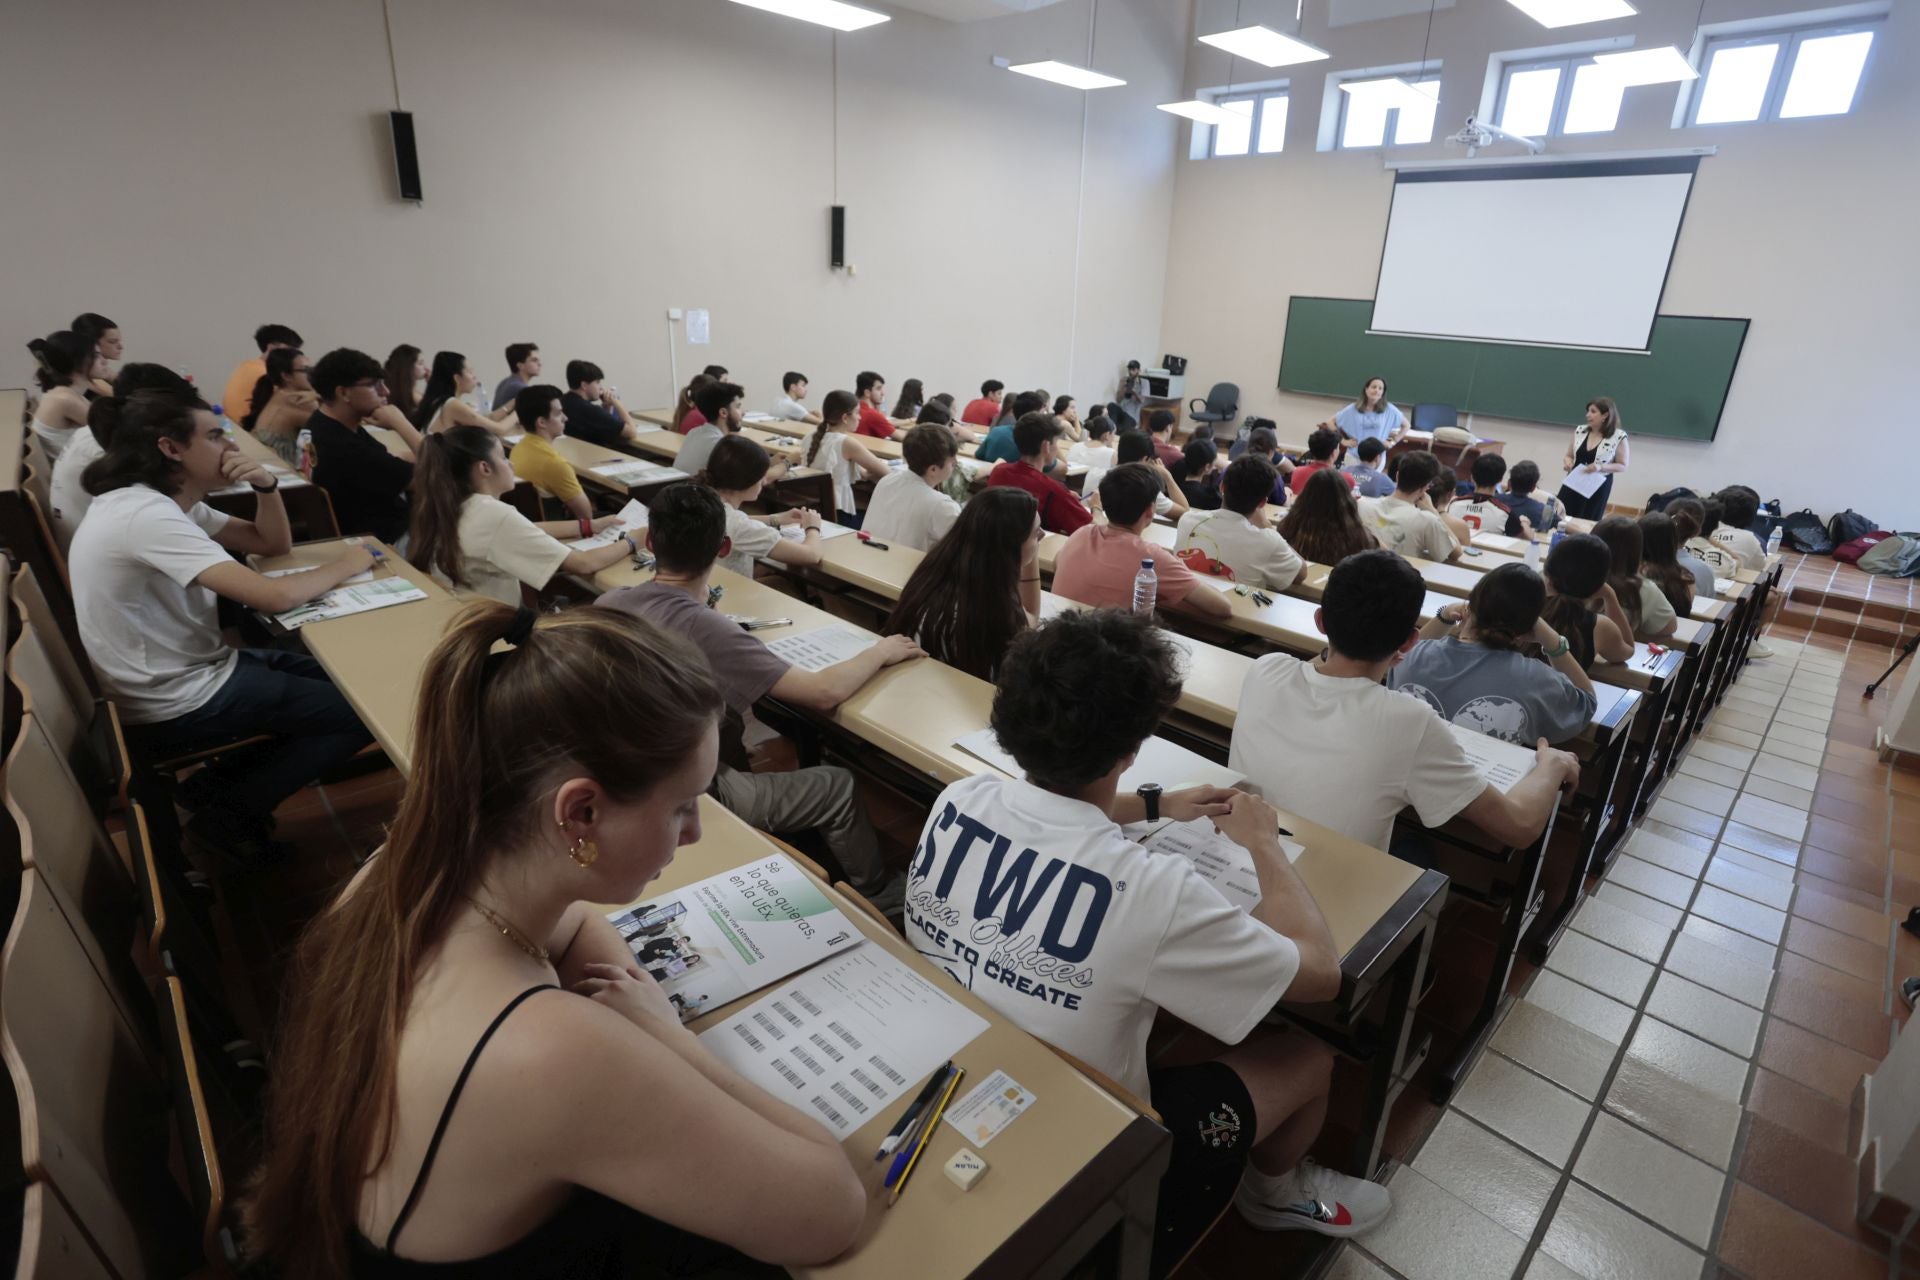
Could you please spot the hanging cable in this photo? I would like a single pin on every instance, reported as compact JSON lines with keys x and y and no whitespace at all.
{"x":393,"y":63}
{"x":1080,"y":204}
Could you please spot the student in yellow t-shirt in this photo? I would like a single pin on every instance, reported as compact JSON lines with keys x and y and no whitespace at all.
{"x":536,"y":461}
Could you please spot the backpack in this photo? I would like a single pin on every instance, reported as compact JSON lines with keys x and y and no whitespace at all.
{"x":1659,"y":501}
{"x":1850,"y":552}
{"x":1848,"y":525}
{"x":1767,"y":519}
{"x":1896,"y":556}
{"x":1804,"y":531}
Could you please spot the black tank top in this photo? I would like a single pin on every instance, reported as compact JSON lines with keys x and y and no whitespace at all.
{"x":591,"y":1238}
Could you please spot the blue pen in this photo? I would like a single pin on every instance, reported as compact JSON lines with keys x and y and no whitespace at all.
{"x":904,"y":1155}
{"x":899,"y":1131}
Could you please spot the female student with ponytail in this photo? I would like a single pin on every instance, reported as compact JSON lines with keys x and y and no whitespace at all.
{"x":466,"y":535}
{"x":441,"y":406}
{"x":979,"y":586}
{"x":475,"y":1078}
{"x":283,"y":401}
{"x":835,"y":449}
{"x":66,"y":361}
{"x":737,"y":470}
{"x":108,"y":345}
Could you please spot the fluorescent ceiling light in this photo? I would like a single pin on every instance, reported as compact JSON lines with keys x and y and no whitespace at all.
{"x":1067,"y":74}
{"x":1200,"y":112}
{"x":1265,"y":46}
{"x":1571,"y":13}
{"x":827,"y":13}
{"x":1664,"y":65}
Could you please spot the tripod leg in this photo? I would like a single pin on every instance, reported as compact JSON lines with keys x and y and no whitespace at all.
{"x":1906,"y":652}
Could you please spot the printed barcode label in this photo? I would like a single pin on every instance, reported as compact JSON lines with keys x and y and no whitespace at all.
{"x":867,"y":1082}
{"x":887,"y":1071}
{"x":793,"y":1077}
{"x":825,"y":1108}
{"x":786,"y":1013}
{"x":853,"y":1041}
{"x":820,"y":1042}
{"x":761,"y":1018}
{"x":804,"y":1003}
{"x":852,"y":1100}
{"x":749,"y":1037}
{"x":805,"y":1059}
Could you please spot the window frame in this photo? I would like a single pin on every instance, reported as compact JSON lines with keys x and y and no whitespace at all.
{"x":1259,"y":97}
{"x":1789,"y":40}
{"x":1568,"y":65}
{"x":1392,"y":124}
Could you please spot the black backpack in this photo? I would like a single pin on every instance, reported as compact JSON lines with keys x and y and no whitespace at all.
{"x":1659,"y":501}
{"x":1848,"y":525}
{"x":1803,"y":531}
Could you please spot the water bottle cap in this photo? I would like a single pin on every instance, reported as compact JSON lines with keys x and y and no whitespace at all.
{"x":1146,"y":563}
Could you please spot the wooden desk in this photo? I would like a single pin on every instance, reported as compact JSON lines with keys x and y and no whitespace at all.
{"x":309,"y":513}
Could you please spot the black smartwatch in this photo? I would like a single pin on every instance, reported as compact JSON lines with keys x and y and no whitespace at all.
{"x":272,"y":488}
{"x":1150,"y":796}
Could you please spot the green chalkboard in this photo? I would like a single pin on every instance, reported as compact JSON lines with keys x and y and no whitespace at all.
{"x":1677,"y":389}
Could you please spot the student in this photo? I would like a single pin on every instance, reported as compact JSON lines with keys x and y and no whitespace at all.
{"x":1472,"y":664}
{"x":1198,"y":474}
{"x":723,"y":406}
{"x":981,"y":412}
{"x":791,"y":406}
{"x":978,"y":587}
{"x":686,"y":414}
{"x":1137,"y":446}
{"x":1037,"y":436}
{"x":108,"y":346}
{"x":1068,"y":414}
{"x":1659,"y":565}
{"x":908,"y":508}
{"x":718,"y":372}
{"x":1323,"y":525}
{"x":1371,"y":417}
{"x":1160,"y":427}
{"x":66,"y":495}
{"x":1484,"y":508}
{"x":1405,"y":521}
{"x":523,"y":366}
{"x":366,"y":484}
{"x":543,"y":419}
{"x":871,"y":390}
{"x":1237,"y":535}
{"x":283,"y":400}
{"x":1095,"y":452}
{"x":66,"y":363}
{"x":1645,"y":605}
{"x":148,"y":566}
{"x":442,"y":405}
{"x":998,"y":446}
{"x":593,"y":414}
{"x":1321,"y":446}
{"x":835,"y":449}
{"x":248,"y":372}
{"x":1327,"y":740}
{"x":464,"y":534}
{"x":469,"y":950}
{"x":1599,"y":445}
{"x":1098,"y":564}
{"x":1738,"y":507}
{"x":1077,"y":697}
{"x":737,"y":470}
{"x":1368,"y":480}
{"x":1581,"y":604}
{"x":1261,"y":442}
{"x":686,"y":531}
{"x":406,"y":374}
{"x":1523,"y":504}
{"x":912,"y":396}
{"x":1689,"y":516}
{"x":1706,"y":547}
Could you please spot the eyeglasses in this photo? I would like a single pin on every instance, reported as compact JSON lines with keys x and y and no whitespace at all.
{"x":377,"y":384}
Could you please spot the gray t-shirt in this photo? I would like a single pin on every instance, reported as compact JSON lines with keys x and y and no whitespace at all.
{"x":1702,"y":574}
{"x":1498,"y":692}
{"x":699,"y":442}
{"x":510,"y":386}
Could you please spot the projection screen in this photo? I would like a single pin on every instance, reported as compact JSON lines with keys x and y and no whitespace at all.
{"x":1571,"y":255}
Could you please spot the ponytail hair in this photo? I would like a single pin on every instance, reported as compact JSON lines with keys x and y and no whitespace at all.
{"x":836,"y":406}
{"x":736,"y":464}
{"x":279,"y":366}
{"x":493,"y":735}
{"x":130,"y":428}
{"x":1622,"y":536}
{"x":61,"y":356}
{"x":1505,"y":604}
{"x":442,"y":482}
{"x":91,"y":325}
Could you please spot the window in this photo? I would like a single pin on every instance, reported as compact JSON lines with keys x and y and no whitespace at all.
{"x":1373,"y":112}
{"x":1782,"y":75}
{"x":1540,"y":99}
{"x":1261,"y":127}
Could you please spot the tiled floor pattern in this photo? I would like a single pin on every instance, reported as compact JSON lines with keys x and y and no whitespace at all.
{"x":1669,"y":1099}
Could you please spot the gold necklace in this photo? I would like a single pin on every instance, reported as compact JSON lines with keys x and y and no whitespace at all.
{"x":509,"y":932}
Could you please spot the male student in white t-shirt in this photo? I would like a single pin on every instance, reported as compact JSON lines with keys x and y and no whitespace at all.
{"x":1482,"y":510}
{"x":1739,"y":506}
{"x":1030,"y":894}
{"x":1237,"y":535}
{"x":792,"y":403}
{"x":1325,"y":739}
{"x":1406,"y":521}
{"x":907,"y":508}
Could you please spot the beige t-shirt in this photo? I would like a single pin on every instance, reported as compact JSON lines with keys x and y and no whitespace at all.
{"x":502,"y":549}
{"x":1410,"y":530}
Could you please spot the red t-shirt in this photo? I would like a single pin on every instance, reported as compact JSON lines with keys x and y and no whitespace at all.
{"x":980,"y":413}
{"x":1304,"y":472}
{"x":1060,"y":510}
{"x":873,"y":423}
{"x":1168,"y":452}
{"x":694,"y":418}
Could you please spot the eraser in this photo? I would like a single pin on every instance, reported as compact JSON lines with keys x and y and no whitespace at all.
{"x":966,"y":1168}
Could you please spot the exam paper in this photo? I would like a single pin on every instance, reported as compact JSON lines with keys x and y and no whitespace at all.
{"x":846,"y":1037}
{"x":343,"y":601}
{"x":1723,"y":585}
{"x":365,"y":575}
{"x":828,"y":529}
{"x":636,"y":472}
{"x":1585,"y":483}
{"x":1170,"y":765}
{"x":1221,"y":863}
{"x":1501,"y":763}
{"x":633,"y":516}
{"x":817,"y":650}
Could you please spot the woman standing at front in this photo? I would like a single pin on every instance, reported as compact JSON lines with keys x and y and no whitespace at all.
{"x":1599,"y":448}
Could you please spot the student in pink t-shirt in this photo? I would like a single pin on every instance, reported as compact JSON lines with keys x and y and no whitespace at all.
{"x":1099,"y":562}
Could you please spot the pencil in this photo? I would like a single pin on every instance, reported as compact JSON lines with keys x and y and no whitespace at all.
{"x":926,"y":1133}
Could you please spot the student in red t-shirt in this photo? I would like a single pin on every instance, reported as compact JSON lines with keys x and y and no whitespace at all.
{"x":1321,"y":446}
{"x":871,"y":390}
{"x":983,"y":411}
{"x":1034,"y":435}
{"x":1160,"y":427}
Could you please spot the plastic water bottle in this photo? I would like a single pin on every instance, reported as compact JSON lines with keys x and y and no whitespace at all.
{"x":1559,"y":532}
{"x":1146,"y":585}
{"x":1533,"y":553}
{"x":1773,"y":541}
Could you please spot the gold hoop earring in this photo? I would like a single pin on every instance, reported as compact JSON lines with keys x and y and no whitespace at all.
{"x":584,"y":852}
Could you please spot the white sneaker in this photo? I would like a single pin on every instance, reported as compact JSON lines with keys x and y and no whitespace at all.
{"x":1312,"y":1198}
{"x":1758,"y":650}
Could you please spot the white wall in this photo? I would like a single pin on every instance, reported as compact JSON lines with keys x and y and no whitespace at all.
{"x":197,"y":167}
{"x":1808,"y":228}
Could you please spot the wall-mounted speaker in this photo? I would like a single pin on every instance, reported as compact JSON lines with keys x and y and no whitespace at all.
{"x":837,"y":240}
{"x":406,"y":156}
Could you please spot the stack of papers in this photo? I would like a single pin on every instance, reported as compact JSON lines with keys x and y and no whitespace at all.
{"x":817,"y":650}
{"x":345,"y":600}
{"x":632,"y":517}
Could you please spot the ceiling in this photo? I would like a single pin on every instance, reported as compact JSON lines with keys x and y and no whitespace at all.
{"x":968,"y":10}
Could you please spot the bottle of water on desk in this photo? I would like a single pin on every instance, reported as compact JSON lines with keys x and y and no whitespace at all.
{"x":1146,"y":585}
{"x":1773,"y":540}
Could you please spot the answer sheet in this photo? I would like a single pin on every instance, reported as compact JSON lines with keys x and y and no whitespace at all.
{"x":343,"y":601}
{"x":636,"y":472}
{"x":818,"y":650}
{"x":633,"y":517}
{"x":1167,"y":763}
{"x":828,"y":529}
{"x":1501,"y":763}
{"x":1221,"y":863}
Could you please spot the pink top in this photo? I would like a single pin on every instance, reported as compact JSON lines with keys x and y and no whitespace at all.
{"x":1099,"y":562}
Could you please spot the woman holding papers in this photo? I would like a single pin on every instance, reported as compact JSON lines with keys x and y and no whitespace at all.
{"x":465,"y":534}
{"x":148,"y":564}
{"x":475,"y":1080}
{"x":1598,"y":454}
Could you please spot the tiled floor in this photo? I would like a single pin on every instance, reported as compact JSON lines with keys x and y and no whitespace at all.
{"x":1670,"y":1096}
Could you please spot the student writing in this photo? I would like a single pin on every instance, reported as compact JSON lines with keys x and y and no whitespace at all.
{"x":1363,"y":466}
{"x":1321,"y":446}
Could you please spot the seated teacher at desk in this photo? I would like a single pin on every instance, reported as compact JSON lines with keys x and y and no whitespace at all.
{"x":476,"y":1078}
{"x":1599,"y":448}
{"x":1372,"y":416}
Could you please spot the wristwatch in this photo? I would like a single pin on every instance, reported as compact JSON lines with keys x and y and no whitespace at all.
{"x":269,"y":489}
{"x":1565,"y":647}
{"x":1150,"y":796}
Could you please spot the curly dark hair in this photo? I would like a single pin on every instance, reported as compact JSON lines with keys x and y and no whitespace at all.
{"x":1079,"y":694}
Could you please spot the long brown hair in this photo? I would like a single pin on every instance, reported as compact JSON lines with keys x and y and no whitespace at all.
{"x":684,"y":405}
{"x":1360,"y":401}
{"x":490,"y":732}
{"x":1323,"y":524}
{"x":1609,"y":415}
{"x":1622,"y":536}
{"x":836,"y":406}
{"x":1660,"y":563}
{"x":401,"y":362}
{"x":963,"y":603}
{"x":442,"y":483}
{"x":1505,"y":604}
